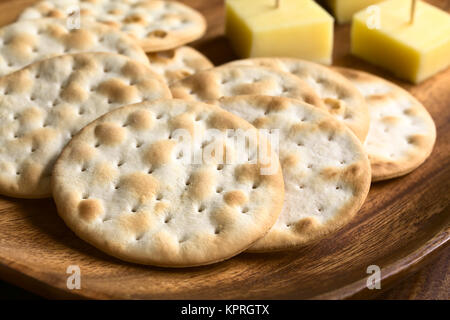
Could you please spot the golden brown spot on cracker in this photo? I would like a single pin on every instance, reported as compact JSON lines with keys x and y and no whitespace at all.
{"x":261,"y":122}
{"x":20,"y":45}
{"x":104,"y":173}
{"x":90,"y":209}
{"x":160,"y":207}
{"x":305,"y":226}
{"x":19,"y":82}
{"x":223,"y":216}
{"x":142,"y":186}
{"x":158,"y":34}
{"x":290,"y":161}
{"x":31,"y":115}
{"x":110,"y":134}
{"x":235,"y":198}
{"x":136,"y":223}
{"x":140,"y":120}
{"x":418,"y":140}
{"x":118,"y":91}
{"x":201,"y":185}
{"x":79,"y":39}
{"x":390,"y":120}
{"x":74,"y":93}
{"x":182,"y":121}
{"x":335,"y":106}
{"x":351,"y":174}
{"x":30,"y":174}
{"x":54,"y":13}
{"x":223,"y":121}
{"x":159,"y":153}
{"x":135,"y":18}
{"x":112,"y":24}
{"x":81,"y":152}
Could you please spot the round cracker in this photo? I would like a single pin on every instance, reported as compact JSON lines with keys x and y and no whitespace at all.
{"x":26,"y":42}
{"x":326,"y":170}
{"x":339,"y":95}
{"x":44,"y":104}
{"x":229,"y":81}
{"x":402,"y":133}
{"x":177,"y":64}
{"x":157,"y":25}
{"x":121,"y":186}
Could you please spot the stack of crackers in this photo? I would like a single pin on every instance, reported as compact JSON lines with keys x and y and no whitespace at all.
{"x":138,"y":138}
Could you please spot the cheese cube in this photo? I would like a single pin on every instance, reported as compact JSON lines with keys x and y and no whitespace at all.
{"x":412,"y":52}
{"x":298,"y":28}
{"x":343,"y":10}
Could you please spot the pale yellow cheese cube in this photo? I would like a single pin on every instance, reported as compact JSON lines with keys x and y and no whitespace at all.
{"x":298,"y":28}
{"x":343,"y":10}
{"x":413,"y":52}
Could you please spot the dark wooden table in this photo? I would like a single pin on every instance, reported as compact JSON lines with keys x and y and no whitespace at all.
{"x":431,"y":282}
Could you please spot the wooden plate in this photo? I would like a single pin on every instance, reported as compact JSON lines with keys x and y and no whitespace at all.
{"x":404,"y":222}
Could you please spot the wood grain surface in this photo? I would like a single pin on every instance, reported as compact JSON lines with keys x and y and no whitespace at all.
{"x":404,"y":223}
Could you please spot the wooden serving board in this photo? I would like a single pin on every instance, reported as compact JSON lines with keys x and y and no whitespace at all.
{"x":403,"y":224}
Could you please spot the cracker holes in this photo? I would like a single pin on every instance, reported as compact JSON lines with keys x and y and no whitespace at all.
{"x":300,"y":144}
{"x":183,"y":239}
{"x":159,"y":197}
{"x":220,"y":167}
{"x":343,"y":162}
{"x":217,"y":230}
{"x":138,"y":145}
{"x":85,"y":196}
{"x":219,"y":190}
{"x":310,"y":166}
{"x":83,"y":169}
{"x":201,"y":208}
{"x":138,"y":238}
{"x":180,"y":155}
{"x":255,"y":186}
{"x":348,"y":117}
{"x":97,"y":145}
{"x":245,"y":210}
{"x":150,"y":171}
{"x":161,"y":34}
{"x":120,"y":163}
{"x":134,"y":209}
{"x":167,"y":219}
{"x":301,"y":186}
{"x":159,"y":116}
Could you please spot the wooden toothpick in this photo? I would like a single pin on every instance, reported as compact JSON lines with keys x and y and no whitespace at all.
{"x":413,"y":11}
